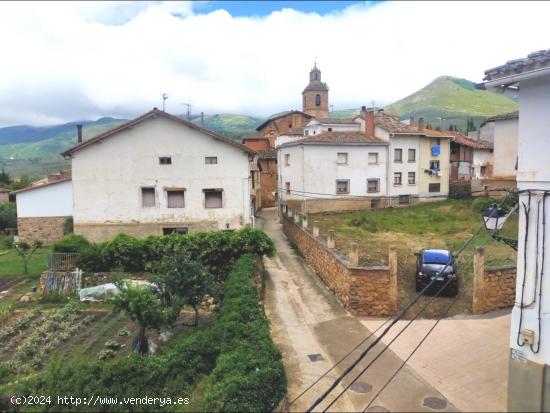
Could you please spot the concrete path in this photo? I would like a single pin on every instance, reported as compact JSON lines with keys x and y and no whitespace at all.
{"x":465,"y":358}
{"x":313,"y":332}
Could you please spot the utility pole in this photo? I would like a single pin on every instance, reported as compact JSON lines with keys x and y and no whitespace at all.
{"x":188,"y":110}
{"x":164,"y":97}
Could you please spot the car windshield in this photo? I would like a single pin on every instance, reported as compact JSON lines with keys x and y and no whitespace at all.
{"x":436,"y":257}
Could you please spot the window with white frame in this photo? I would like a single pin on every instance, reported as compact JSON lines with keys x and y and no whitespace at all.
{"x":287,"y":159}
{"x":342,"y":186}
{"x":412,"y":155}
{"x":342,"y":158}
{"x":211,"y":160}
{"x":398,"y":155}
{"x":373,"y":185}
{"x":373,"y":158}
{"x":397,"y":178}
{"x":412,"y":178}
{"x":287,"y":187}
{"x":165,"y":160}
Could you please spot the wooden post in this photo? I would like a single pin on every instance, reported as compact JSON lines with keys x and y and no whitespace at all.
{"x":315,"y":229}
{"x":353,"y":254}
{"x":479,"y":273}
{"x":330,"y":239}
{"x":392,"y":264}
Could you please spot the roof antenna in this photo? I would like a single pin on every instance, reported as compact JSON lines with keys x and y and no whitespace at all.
{"x":164,"y":97}
{"x":188,"y":110}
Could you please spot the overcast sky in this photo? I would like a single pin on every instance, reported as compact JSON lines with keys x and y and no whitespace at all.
{"x":66,"y":61}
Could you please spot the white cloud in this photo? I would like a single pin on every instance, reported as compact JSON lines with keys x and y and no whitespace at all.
{"x":64,"y":61}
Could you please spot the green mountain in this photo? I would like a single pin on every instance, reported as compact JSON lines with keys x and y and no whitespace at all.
{"x":455,"y":100}
{"x":233,"y":126}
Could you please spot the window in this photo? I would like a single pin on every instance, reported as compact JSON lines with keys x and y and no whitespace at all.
{"x":211,"y":160}
{"x":307,"y":132}
{"x":375,"y":203}
{"x":165,"y":160}
{"x":342,"y":158}
{"x":483,"y":170}
{"x":147,"y":197}
{"x":176,"y":198}
{"x":342,"y":186}
{"x":373,"y":185}
{"x":404,"y":199}
{"x":412,"y":155}
{"x":434,"y":187}
{"x":397,"y":178}
{"x":175,"y":230}
{"x":373,"y":158}
{"x":330,"y":129}
{"x":398,"y":155}
{"x":213,"y":198}
{"x":287,"y":159}
{"x":317,"y":100}
{"x":287,"y":187}
{"x":412,"y":178}
{"x":289,"y":125}
{"x":434,"y":165}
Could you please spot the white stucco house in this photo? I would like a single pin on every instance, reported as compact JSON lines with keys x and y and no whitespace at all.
{"x":529,"y":372}
{"x":502,"y":131}
{"x":42,"y":210}
{"x":159,"y":174}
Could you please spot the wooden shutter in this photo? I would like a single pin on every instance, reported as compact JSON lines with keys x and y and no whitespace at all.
{"x":176,"y":199}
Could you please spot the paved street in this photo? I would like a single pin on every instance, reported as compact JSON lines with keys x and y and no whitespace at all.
{"x":313,"y":332}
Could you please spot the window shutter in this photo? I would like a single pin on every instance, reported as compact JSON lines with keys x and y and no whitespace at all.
{"x":148,"y":197}
{"x":213,"y":199}
{"x":176,"y":199}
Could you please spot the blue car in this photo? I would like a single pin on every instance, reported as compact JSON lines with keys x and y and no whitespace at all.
{"x":439,"y":265}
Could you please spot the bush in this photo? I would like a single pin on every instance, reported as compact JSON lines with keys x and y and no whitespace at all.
{"x":124,"y":253}
{"x":8,"y":215}
{"x":92,"y":259}
{"x":365,"y":222}
{"x":71,"y":244}
{"x":460,"y":190}
{"x":53,"y":297}
{"x":68,"y":226}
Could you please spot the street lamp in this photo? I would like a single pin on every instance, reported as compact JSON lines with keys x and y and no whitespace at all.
{"x":494,"y":219}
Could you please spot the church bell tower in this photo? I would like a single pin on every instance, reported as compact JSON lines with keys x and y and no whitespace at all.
{"x":315,"y":95}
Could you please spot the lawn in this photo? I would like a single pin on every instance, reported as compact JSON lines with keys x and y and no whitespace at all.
{"x":446,"y":224}
{"x":11,"y":264}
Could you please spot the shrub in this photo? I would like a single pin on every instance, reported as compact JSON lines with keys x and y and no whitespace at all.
{"x":71,"y":244}
{"x":124,"y":253}
{"x":68,"y":226}
{"x":460,"y":190}
{"x":8,"y":215}
{"x":53,"y":297}
{"x":365,"y":222}
{"x":92,"y":259}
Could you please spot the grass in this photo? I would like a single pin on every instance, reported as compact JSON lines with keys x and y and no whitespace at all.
{"x":11,"y":264}
{"x":446,"y":224}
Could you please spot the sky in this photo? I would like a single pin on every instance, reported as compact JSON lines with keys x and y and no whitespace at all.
{"x":64,"y":61}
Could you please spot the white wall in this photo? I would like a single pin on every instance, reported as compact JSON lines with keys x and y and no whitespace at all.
{"x":320,"y":170}
{"x":533,"y":173}
{"x":50,"y":201}
{"x":108,"y":176}
{"x":315,"y":127}
{"x":505,"y":147}
{"x":405,"y":143}
{"x":481,"y":157}
{"x":487,"y":132}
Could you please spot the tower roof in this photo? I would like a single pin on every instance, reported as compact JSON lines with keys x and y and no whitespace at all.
{"x":315,"y":84}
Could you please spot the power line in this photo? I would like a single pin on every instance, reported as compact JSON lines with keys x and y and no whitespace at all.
{"x":400,"y":315}
{"x":443,"y":315}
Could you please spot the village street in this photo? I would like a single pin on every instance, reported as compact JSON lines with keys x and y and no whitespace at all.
{"x":314,"y":332}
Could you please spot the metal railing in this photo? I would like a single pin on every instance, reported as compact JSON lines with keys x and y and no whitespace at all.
{"x":62,"y":261}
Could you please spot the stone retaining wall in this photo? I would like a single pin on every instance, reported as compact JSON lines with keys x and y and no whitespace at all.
{"x":494,"y":287}
{"x":45,"y":229}
{"x":364,"y":291}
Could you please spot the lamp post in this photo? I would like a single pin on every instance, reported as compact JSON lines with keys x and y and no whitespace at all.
{"x":494,"y":219}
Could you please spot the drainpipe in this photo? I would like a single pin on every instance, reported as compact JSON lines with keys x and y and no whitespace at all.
{"x":304,"y":183}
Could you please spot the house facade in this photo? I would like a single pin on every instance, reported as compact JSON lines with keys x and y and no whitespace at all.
{"x":159,"y":174}
{"x":42,"y":210}
{"x":470,"y":158}
{"x":529,"y":369}
{"x":502,"y":131}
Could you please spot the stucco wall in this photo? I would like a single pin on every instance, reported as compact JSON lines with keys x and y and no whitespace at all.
{"x":404,"y":143}
{"x":364,"y":291}
{"x":108,"y":177}
{"x":50,"y":201}
{"x":444,"y":163}
{"x":320,"y":170}
{"x":505,"y":147}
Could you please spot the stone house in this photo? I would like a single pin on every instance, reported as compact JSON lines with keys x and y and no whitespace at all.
{"x":43,"y":208}
{"x":470,"y":158}
{"x":159,"y":174}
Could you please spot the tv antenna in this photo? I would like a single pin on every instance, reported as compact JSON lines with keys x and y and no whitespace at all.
{"x":164,"y":97}
{"x":188,"y":110}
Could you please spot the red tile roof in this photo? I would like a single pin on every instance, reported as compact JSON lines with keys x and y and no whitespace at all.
{"x":282,"y":115}
{"x":502,"y":116}
{"x":338,"y":138}
{"x":152,"y":114}
{"x":535,"y":60}
{"x":472,"y":143}
{"x":392,"y":124}
{"x":38,"y":186}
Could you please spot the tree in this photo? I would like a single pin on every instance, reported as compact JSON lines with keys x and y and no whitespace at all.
{"x":182,"y":282}
{"x":8,"y":215}
{"x":26,"y":251}
{"x":5,"y":178}
{"x":144,"y":307}
{"x":23,"y":182}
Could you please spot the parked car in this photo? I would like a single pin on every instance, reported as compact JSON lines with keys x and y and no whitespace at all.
{"x":438,"y":264}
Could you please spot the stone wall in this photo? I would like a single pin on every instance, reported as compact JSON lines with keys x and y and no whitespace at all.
{"x":105,"y":232}
{"x":268,"y":182}
{"x":45,"y":229}
{"x":316,"y":206}
{"x":494,"y":287}
{"x":364,"y":291}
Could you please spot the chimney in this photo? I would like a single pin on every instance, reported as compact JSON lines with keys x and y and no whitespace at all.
{"x":368,"y":115}
{"x":420,"y":123}
{"x":79,"y":133}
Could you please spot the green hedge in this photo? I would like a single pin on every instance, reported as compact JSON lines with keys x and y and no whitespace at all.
{"x":216,"y":250}
{"x":234,"y":354}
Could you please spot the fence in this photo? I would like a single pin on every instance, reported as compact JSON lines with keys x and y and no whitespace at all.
{"x":62,"y":261}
